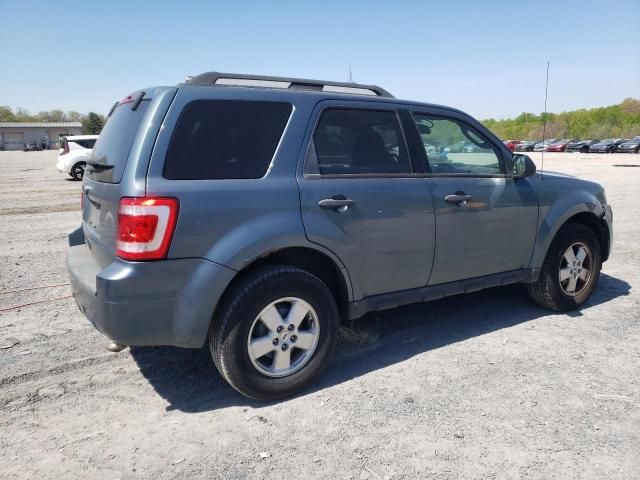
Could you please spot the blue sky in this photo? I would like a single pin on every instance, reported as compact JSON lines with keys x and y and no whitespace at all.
{"x":487,"y":58}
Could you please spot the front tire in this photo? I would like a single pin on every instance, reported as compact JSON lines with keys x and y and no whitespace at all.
{"x":77,"y":170}
{"x":570,"y":271}
{"x":275,"y":332}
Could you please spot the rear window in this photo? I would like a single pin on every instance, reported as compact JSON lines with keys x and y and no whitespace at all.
{"x":85,"y":143}
{"x":223,"y":139}
{"x":111,"y":150}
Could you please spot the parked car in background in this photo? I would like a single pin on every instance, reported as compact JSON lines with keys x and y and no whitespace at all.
{"x":511,"y":144}
{"x":630,"y":146}
{"x":581,"y":146}
{"x":73,"y":154}
{"x":256,"y":213}
{"x":32,"y":147}
{"x":525,"y":146}
{"x":457,"y":147}
{"x":559,"y":145}
{"x":609,"y":145}
{"x":541,"y":146}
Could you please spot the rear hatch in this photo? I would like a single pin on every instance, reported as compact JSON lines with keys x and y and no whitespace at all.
{"x":103,"y":183}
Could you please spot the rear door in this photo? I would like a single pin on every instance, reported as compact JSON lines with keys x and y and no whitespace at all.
{"x":486,"y":221}
{"x":362,"y":199}
{"x":126,"y":140}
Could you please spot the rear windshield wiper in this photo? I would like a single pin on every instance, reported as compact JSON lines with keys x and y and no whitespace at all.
{"x":99,"y":166}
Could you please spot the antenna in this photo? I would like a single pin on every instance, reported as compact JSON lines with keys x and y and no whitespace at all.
{"x":544,"y":122}
{"x":350,"y":75}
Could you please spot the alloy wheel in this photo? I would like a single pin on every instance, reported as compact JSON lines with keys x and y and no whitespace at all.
{"x":283,"y":337}
{"x":78,"y":172}
{"x":575,"y":269}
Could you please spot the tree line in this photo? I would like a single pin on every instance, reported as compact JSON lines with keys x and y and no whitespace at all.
{"x":615,"y":121}
{"x":92,"y":122}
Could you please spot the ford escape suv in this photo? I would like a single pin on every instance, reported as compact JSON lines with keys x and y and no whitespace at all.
{"x":253,"y":214}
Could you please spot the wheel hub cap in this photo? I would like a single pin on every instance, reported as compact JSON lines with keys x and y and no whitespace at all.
{"x":283,"y":337}
{"x":575,"y":269}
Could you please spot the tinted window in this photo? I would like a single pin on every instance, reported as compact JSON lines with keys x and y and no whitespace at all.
{"x":360,"y":141}
{"x":111,"y":150}
{"x":453,"y":147}
{"x":85,"y":143}
{"x":225,"y":139}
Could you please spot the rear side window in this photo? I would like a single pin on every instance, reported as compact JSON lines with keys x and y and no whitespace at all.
{"x":225,"y":139}
{"x":358,"y":141}
{"x":111,"y":150}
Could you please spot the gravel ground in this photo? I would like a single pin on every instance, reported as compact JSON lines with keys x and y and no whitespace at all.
{"x":485,"y":385}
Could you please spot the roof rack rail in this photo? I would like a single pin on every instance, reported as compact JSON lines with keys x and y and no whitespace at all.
{"x":236,"y":79}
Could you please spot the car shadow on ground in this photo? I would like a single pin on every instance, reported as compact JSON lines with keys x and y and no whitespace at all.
{"x":189,"y":381}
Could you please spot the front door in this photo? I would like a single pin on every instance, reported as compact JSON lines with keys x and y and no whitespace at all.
{"x":486,"y":221}
{"x":361,"y":199}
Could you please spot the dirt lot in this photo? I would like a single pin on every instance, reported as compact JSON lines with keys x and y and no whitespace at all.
{"x":486,"y":385}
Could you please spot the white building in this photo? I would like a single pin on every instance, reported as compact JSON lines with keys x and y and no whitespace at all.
{"x":15,"y":135}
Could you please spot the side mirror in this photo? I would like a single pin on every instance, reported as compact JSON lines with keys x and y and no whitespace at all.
{"x":523,"y":166}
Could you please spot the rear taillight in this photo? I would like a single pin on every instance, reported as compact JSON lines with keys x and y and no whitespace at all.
{"x":145,"y":227}
{"x":65,"y":147}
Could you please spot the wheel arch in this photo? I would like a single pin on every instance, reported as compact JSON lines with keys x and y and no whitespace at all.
{"x":313,"y":260}
{"x":598,"y":226}
{"x":75,"y":161}
{"x":587,"y":214}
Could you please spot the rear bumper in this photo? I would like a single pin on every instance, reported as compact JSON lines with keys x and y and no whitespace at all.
{"x":61,"y":165}
{"x":169,"y":302}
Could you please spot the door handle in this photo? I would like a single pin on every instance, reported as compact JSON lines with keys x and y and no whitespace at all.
{"x":339,"y":204}
{"x":459,"y":198}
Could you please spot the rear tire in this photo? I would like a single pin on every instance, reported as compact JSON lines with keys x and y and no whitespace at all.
{"x":559,"y":273}
{"x":254,"y":318}
{"x":77,"y":171}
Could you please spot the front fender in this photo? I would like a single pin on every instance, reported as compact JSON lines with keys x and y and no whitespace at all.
{"x":555,"y":211}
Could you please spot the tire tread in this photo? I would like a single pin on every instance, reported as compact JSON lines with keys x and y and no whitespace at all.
{"x":231,"y":301}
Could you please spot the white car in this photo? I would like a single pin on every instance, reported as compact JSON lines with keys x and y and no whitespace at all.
{"x":73,"y":154}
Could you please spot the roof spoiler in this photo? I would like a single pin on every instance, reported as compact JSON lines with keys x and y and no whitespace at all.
{"x":241,"y":80}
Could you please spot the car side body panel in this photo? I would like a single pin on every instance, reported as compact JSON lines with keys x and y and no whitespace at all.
{"x":386,"y":239}
{"x":260,"y":216}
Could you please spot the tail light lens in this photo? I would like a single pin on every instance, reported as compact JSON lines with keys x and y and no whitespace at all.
{"x":65,"y":147}
{"x":145,"y":227}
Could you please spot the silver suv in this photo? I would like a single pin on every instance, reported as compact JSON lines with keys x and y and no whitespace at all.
{"x":257,"y":213}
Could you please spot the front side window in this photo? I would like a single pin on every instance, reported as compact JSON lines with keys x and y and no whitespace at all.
{"x":225,"y":139}
{"x":357,"y":141}
{"x":453,"y":147}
